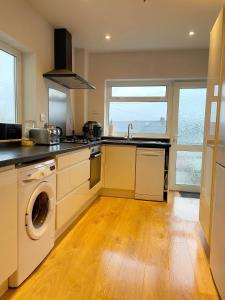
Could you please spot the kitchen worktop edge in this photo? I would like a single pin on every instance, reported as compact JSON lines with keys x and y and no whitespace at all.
{"x":14,"y":154}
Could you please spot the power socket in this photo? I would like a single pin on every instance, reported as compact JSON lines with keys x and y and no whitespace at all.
{"x":42,"y":117}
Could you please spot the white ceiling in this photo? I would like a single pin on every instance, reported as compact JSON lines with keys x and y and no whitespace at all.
{"x":133,"y":25}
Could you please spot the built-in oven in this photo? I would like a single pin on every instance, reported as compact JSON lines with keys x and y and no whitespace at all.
{"x":95,"y":165}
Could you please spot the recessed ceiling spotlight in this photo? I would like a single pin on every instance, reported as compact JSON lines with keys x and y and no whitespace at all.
{"x":191,"y":33}
{"x":108,"y":37}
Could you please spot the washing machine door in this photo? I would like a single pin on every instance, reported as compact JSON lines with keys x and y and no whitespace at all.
{"x":39,"y":210}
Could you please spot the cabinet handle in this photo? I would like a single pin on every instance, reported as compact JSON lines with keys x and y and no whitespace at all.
{"x":150,"y":155}
{"x":95,"y":155}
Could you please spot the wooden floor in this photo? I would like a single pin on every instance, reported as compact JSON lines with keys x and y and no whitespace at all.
{"x":126,"y":249}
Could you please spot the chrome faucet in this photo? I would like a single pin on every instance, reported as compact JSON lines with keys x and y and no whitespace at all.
{"x":130,"y":126}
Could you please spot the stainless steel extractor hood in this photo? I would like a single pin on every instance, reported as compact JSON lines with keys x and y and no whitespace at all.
{"x":63,"y":74}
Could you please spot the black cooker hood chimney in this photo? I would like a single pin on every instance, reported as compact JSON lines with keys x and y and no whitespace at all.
{"x":62,"y":74}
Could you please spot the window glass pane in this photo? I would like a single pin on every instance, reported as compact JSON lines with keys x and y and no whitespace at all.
{"x":138,"y":91}
{"x":191,"y":116}
{"x":188,"y":168}
{"x":7,"y":88}
{"x":146,"y":117}
{"x":216,"y":90}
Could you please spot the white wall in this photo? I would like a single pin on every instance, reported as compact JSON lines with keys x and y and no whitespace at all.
{"x":22,"y":27}
{"x":171,"y":64}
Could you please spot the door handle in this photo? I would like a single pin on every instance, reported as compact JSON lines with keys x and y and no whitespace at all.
{"x":174,"y":139}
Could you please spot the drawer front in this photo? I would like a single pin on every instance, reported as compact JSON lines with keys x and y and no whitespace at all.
{"x":71,"y":204}
{"x":63,"y":161}
{"x":79,"y":173}
{"x":63,"y":183}
{"x":79,"y":156}
{"x":68,"y":159}
{"x":70,"y":178}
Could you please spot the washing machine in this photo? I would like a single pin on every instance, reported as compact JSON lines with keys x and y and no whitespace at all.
{"x":36,"y":217}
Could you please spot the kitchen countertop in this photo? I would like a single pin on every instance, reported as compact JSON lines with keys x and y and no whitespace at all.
{"x":17,"y":154}
{"x":13,"y":154}
{"x":162,"y":143}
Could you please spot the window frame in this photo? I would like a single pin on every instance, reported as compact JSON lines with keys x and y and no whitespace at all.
{"x":18,"y":81}
{"x":126,"y":83}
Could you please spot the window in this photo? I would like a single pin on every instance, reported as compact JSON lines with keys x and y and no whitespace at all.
{"x":145,"y":106}
{"x":191,"y":121}
{"x":138,"y":91}
{"x":8,"y":84}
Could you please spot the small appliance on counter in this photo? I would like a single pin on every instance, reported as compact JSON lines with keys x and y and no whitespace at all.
{"x":10,"y":132}
{"x":49,"y":135}
{"x":27,"y":126}
{"x":92,"y":130}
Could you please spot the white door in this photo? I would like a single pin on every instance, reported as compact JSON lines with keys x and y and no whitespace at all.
{"x":187,"y":137}
{"x":217,"y":250}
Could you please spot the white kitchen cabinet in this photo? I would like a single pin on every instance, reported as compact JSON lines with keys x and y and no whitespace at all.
{"x":68,"y":159}
{"x":215,"y":83}
{"x":63,"y":183}
{"x":150,"y":165}
{"x":71,"y":205}
{"x":72,"y":177}
{"x":119,"y":171}
{"x":8,"y":223}
{"x":73,"y":194}
{"x":206,"y":191}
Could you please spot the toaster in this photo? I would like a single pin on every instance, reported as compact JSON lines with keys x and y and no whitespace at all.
{"x":45,"y":136}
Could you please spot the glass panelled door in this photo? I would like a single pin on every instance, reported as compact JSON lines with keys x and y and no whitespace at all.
{"x":188,"y":135}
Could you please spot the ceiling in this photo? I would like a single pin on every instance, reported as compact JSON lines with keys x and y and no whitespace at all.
{"x":133,"y":24}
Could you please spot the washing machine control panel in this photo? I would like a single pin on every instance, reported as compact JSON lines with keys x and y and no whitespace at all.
{"x":40,"y":173}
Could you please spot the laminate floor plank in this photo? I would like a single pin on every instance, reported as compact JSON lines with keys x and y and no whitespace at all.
{"x":126,"y":249}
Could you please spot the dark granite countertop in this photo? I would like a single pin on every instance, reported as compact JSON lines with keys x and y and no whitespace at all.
{"x":147,"y":143}
{"x":13,"y":154}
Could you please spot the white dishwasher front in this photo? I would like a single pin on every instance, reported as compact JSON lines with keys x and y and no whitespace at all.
{"x":150,"y":165}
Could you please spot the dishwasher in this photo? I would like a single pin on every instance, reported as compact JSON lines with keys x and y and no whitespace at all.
{"x":150,"y":165}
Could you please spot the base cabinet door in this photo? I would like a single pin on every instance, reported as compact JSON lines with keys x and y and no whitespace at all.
{"x":8,"y":223}
{"x":119,"y":170}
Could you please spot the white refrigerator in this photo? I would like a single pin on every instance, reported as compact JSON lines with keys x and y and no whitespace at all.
{"x":217,"y":250}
